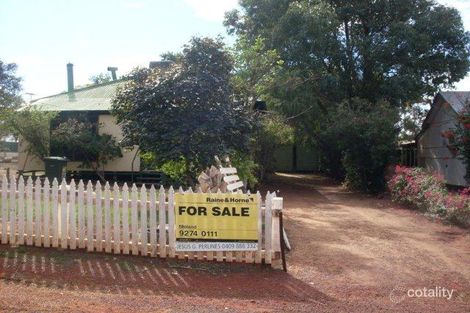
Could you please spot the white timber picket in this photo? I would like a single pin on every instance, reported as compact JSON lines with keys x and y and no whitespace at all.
{"x":81,"y":214}
{"x":134,"y":221}
{"x":99,"y":218}
{"x":143,"y":221}
{"x":153,"y":221}
{"x":162,"y":222}
{"x":72,"y":217}
{"x":228,"y":170}
{"x":249,"y":255}
{"x":63,"y":215}
{"x":234,"y":186}
{"x":138,"y":226}
{"x":231,"y":178}
{"x":38,"y":213}
{"x":179,"y":254}
{"x":4,"y":209}
{"x":47,"y":214}
{"x":55,"y":210}
{"x":116,"y":220}
{"x":21,"y":210}
{"x":125,"y":219}
{"x":275,"y":237}
{"x":171,"y":223}
{"x":29,"y":211}
{"x":90,"y":214}
{"x":12,"y":210}
{"x":268,"y":229}
{"x":258,"y":253}
{"x":107,"y":219}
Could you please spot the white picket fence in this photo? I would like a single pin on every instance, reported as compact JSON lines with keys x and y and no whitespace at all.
{"x":117,"y":219}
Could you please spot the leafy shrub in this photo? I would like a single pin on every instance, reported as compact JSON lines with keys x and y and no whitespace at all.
{"x":427,"y":192}
{"x":175,"y":173}
{"x":357,"y":143}
{"x":246,"y":168}
{"x":272,"y":132}
{"x":460,"y":139}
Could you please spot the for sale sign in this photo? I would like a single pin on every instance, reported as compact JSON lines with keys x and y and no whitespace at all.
{"x":216,"y":222}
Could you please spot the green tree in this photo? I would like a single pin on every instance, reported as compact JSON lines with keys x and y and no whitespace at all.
{"x":396,"y":51}
{"x":79,"y":140}
{"x":359,"y":143}
{"x":10,"y":99}
{"x":10,"y":86}
{"x":100,"y":78}
{"x":33,"y":127}
{"x":186,"y":112}
{"x":363,"y":53}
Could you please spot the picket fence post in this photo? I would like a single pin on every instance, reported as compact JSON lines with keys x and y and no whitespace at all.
{"x":21,"y":210}
{"x":12,"y":210}
{"x":125,"y":219}
{"x":47,"y":214}
{"x":4,"y":209}
{"x":78,"y":216}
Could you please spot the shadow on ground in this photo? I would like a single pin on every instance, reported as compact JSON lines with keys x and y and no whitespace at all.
{"x":135,"y":275}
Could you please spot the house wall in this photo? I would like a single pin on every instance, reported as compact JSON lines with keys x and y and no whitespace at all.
{"x":433,"y":153}
{"x":108,"y":125}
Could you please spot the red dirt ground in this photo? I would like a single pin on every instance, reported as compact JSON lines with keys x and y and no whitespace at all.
{"x":349,"y":252}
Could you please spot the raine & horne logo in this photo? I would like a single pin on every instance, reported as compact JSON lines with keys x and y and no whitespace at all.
{"x":400,"y":293}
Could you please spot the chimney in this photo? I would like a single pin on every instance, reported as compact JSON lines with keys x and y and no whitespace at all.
{"x":113,"y":71}
{"x":70,"y":77}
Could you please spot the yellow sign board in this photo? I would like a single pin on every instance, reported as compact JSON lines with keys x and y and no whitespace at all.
{"x":215,"y":222}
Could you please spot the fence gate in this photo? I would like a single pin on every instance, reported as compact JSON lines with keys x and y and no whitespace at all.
{"x":116,"y":219}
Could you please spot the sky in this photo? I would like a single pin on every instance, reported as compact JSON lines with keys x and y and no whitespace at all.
{"x":42,"y":36}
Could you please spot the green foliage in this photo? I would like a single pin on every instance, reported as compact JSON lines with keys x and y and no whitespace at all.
{"x":100,"y":78}
{"x":461,"y":139}
{"x":32,"y":126}
{"x":10,"y":99}
{"x":186,"y":111}
{"x":246,"y":168}
{"x":271,"y":133}
{"x":175,"y":172}
{"x":313,"y":60}
{"x":255,"y":68}
{"x":396,"y":51}
{"x":172,"y":56}
{"x":411,"y":121}
{"x":427,"y":192}
{"x":79,"y":140}
{"x":358,"y":142}
{"x":148,"y":161}
{"x":10,"y":86}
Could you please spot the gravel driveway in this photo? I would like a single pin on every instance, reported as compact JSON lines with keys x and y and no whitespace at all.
{"x":351,"y":253}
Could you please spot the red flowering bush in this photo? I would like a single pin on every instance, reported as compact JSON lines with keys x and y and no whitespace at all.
{"x":461,"y":139}
{"x":427,"y":192}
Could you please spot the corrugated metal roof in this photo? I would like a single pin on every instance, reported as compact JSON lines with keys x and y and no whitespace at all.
{"x":91,"y":98}
{"x":458,"y":100}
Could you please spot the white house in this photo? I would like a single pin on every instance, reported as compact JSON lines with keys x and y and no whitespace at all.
{"x":434,"y":152}
{"x":95,"y":102}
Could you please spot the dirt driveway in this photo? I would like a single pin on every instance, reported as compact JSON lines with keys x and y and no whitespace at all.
{"x":350,"y":252}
